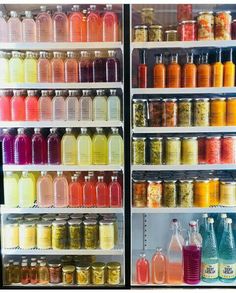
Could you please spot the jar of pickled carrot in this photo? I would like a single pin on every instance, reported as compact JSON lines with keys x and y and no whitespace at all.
{"x":214,"y":185}
{"x":139,"y":193}
{"x":228,"y":145}
{"x":189,"y":150}
{"x":201,"y":150}
{"x":227,"y":193}
{"x":213,"y":149}
{"x":223,"y":21}
{"x":218,"y":112}
{"x":154,"y":194}
{"x":169,"y":113}
{"x":201,"y":193}
{"x":231,"y":111}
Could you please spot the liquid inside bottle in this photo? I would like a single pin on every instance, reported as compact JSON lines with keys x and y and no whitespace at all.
{"x":16,"y":67}
{"x":115,"y":148}
{"x":86,"y":106}
{"x":60,"y":25}
{"x":5,"y":105}
{"x":158,"y":267}
{"x":110,"y":25}
{"x":44,"y":68}
{"x":142,"y":74}
{"x":39,"y":148}
{"x":11,"y":190}
{"x":94,"y":25}
{"x":115,"y":193}
{"x":112,"y":67}
{"x":174,"y":73}
{"x":75,"y":193}
{"x":220,"y":228}
{"x":8,"y":147}
{"x":3,"y":28}
{"x":45,"y":106}
{"x":54,"y":148}
{"x":72,"y":106}
{"x":61,"y":191}
{"x":28,"y":28}
{"x":76,"y":29}
{"x":84,"y":143}
{"x":89,"y":193}
{"x":100,"y":148}
{"x":159,"y":72}
{"x":44,"y":25}
{"x":58,"y":106}
{"x":4,"y":65}
{"x":102,"y":195}
{"x":71,"y":68}
{"x":26,"y":191}
{"x":85,"y":67}
{"x":99,"y":67}
{"x":14,"y":28}
{"x":142,"y":270}
{"x":23,"y":152}
{"x":58,"y":67}
{"x":69,"y":148}
{"x":18,"y":105}
{"x":100,"y":106}
{"x":31,"y":106}
{"x":113,"y":107}
{"x":45,"y":190}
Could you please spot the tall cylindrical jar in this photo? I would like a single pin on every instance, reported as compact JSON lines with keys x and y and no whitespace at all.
{"x":173,"y":151}
{"x":154,"y":194}
{"x":228,"y":149}
{"x":201,"y":193}
{"x":228,"y":193}
{"x":169,"y":193}
{"x":139,"y":193}
{"x":106,"y":234}
{"x":139,"y":113}
{"x":189,"y":149}
{"x":201,"y":112}
{"x":185,"y":194}
{"x":218,"y":112}
{"x":213,"y":149}
{"x":139,"y":150}
{"x":223,"y":21}
{"x":156,"y":150}
{"x":205,"y":26}
{"x":185,"y":112}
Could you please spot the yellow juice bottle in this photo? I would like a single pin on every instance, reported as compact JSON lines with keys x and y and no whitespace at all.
{"x":30,"y":67}
{"x":84,"y":143}
{"x":26,"y":191}
{"x":16,"y":67}
{"x":69,"y":148}
{"x":11,"y":194}
{"x":100,"y":149}
{"x":115,"y":148}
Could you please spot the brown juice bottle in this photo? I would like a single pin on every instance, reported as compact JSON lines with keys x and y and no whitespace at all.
{"x":217,"y":71}
{"x":204,"y":72}
{"x":189,"y":72}
{"x":174,"y":73}
{"x":159,"y":73}
{"x":229,"y":71}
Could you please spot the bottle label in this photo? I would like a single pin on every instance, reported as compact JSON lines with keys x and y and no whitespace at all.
{"x":210,"y":271}
{"x":227,"y":271}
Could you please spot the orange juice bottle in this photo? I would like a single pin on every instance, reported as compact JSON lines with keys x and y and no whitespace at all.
{"x":229,"y":71}
{"x":217,"y":71}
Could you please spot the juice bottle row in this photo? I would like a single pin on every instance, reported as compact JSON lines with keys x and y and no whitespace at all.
{"x":51,"y":189}
{"x":101,"y":66}
{"x":208,"y":255}
{"x":62,"y":105}
{"x":184,"y":112}
{"x":168,"y":73}
{"x":85,"y":149}
{"x":77,"y":25}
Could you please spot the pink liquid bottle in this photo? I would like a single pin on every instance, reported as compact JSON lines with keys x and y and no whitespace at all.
{"x":75,"y":193}
{"x":60,"y":25}
{"x":85,"y":67}
{"x":94,"y":25}
{"x":22,"y":146}
{"x":18,"y":106}
{"x":110,"y":25}
{"x":5,"y":105}
{"x":44,"y":26}
{"x":158,"y":267}
{"x":14,"y":28}
{"x":45,"y":190}
{"x":142,"y":270}
{"x":89,"y":193}
{"x":115,"y":193}
{"x":58,"y":67}
{"x":112,"y":67}
{"x":31,"y":106}
{"x":3,"y":28}
{"x":102,"y":196}
{"x":58,"y":106}
{"x":99,"y":67}
{"x":44,"y":67}
{"x":28,"y":28}
{"x":60,"y":191}
{"x":45,"y":106}
{"x":75,"y":25}
{"x":71,"y":68}
{"x":54,"y":148}
{"x":8,"y":142}
{"x":39,"y":148}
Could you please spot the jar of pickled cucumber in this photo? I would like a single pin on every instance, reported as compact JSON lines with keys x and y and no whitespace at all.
{"x":201,"y":112}
{"x":139,"y":113}
{"x":75,"y":233}
{"x":44,"y":235}
{"x":185,"y":112}
{"x":154,"y":194}
{"x":185,"y":193}
{"x":90,"y":240}
{"x":59,"y":234}
{"x":83,"y":274}
{"x":139,"y":193}
{"x":68,"y":275}
{"x":169,"y":193}
{"x":147,"y":15}
{"x":201,"y":193}
{"x":228,"y":193}
{"x":98,"y":273}
{"x":11,"y":235}
{"x":156,"y":150}
{"x":155,"y":33}
{"x":113,"y":273}
{"x":189,"y":148}
{"x":27,"y":235}
{"x":140,"y":33}
{"x":139,"y":150}
{"x":173,"y":151}
{"x":106,"y":234}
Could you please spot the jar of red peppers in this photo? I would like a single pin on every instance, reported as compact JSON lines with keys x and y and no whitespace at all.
{"x":205,"y":26}
{"x":184,"y":12}
{"x":228,"y":144}
{"x":155,"y":112}
{"x":233,"y":30}
{"x":188,"y":30}
{"x":213,"y":149}
{"x":169,"y":113}
{"x":223,"y":21}
{"x":139,"y":193}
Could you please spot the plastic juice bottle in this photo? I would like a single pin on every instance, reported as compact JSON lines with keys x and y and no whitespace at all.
{"x":26,"y":191}
{"x":16,"y":67}
{"x":85,"y":67}
{"x":113,"y":107}
{"x":100,"y":106}
{"x":94,"y":25}
{"x":58,"y":67}
{"x":158,"y":267}
{"x":44,"y":26}
{"x":22,"y":147}
{"x":115,"y":193}
{"x":14,"y":28}
{"x":18,"y":105}
{"x":28,"y":28}
{"x":8,"y":147}
{"x":86,"y":106}
{"x":75,"y":193}
{"x":44,"y":67}
{"x":72,"y":106}
{"x":75,"y":25}
{"x":159,"y":72}
{"x":204,"y":226}
{"x":189,"y":72}
{"x":58,"y":106}
{"x":4,"y":65}
{"x":229,"y":71}
{"x":210,"y":254}
{"x":39,"y":148}
{"x":31,"y":106}
{"x":142,"y":73}
{"x":220,"y":228}
{"x":45,"y":106}
{"x":173,"y":73}
{"x":112,"y":67}
{"x":100,"y":148}
{"x":69,"y":148}
{"x":89,"y":193}
{"x":115,"y":148}
{"x":60,"y":25}
{"x":30,"y":67}
{"x":3,"y":28}
{"x":142,"y":270}
{"x":99,"y":67}
{"x":217,"y":71}
{"x":54,"y":147}
{"x":102,"y":195}
{"x":71,"y":68}
{"x":204,"y":72}
{"x":227,"y":254}
{"x":11,"y":193}
{"x":60,"y":191}
{"x":5,"y":105}
{"x":84,"y":144}
{"x":45,"y":190}
{"x":110,"y":25}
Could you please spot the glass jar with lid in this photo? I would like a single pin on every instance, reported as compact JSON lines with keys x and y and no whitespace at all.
{"x":188,"y":31}
{"x":83,"y":274}
{"x":169,"y":193}
{"x":139,"y":193}
{"x":169,"y":113}
{"x":44,"y":235}
{"x":140,"y":33}
{"x":201,"y":193}
{"x":205,"y":26}
{"x":231,"y":111}
{"x":213,"y":149}
{"x":233,"y":29}
{"x":184,"y":12}
{"x":223,"y":21}
{"x":139,"y":150}
{"x":185,"y":193}
{"x":171,"y":35}
{"x":155,"y":112}
{"x":154,"y":194}
{"x":55,"y":272}
{"x":59,"y":234}
{"x":113,"y":273}
{"x":27,"y":235}
{"x":106,"y":234}
{"x":173,"y":151}
{"x":156,"y":150}
{"x":218,"y":111}
{"x":185,"y":112}
{"x":43,"y":273}
{"x":90,"y":234}
{"x":201,"y":112}
{"x":98,"y":273}
{"x":16,"y":272}
{"x":228,"y":147}
{"x":227,"y":193}
{"x":214,"y":186}
{"x":139,"y":113}
{"x":189,"y":148}
{"x":11,"y":235}
{"x":75,"y":233}
{"x":155,"y":33}
{"x":147,"y":15}
{"x":6,"y":274}
{"x":68,"y":275}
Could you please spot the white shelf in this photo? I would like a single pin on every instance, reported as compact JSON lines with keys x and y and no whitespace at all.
{"x":183,"y":210}
{"x":201,"y":284}
{"x":90,"y":286}
{"x":183,"y":167}
{"x":52,"y":46}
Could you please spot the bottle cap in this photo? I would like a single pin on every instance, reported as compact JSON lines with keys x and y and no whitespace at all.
{"x":108,"y":7}
{"x":228,"y":221}
{"x":37,"y":130}
{"x":75,"y":8}
{"x":13,"y":13}
{"x":113,"y":92}
{"x":59,"y":8}
{"x":59,"y":173}
{"x":210,"y":220}
{"x":84,"y":130}
{"x":92,"y":7}
{"x":100,"y":92}
{"x":53,"y":130}
{"x":43,"y":173}
{"x":28,"y":14}
{"x":43,"y":8}
{"x":68,"y":130}
{"x":32,"y":93}
{"x":223,"y":216}
{"x":205,"y":215}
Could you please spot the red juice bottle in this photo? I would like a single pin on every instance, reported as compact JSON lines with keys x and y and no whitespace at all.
{"x":85,"y":67}
{"x":5,"y":105}
{"x":102,"y":196}
{"x":89,"y":193}
{"x":142,"y":70}
{"x":18,"y":106}
{"x":71,"y":68}
{"x":39,"y":148}
{"x":44,"y":67}
{"x":75,"y":25}
{"x":75,"y":193}
{"x":22,"y":146}
{"x":99,"y":67}
{"x":54,"y":148}
{"x":94,"y":25}
{"x":112,"y":67}
{"x":115,"y":193}
{"x":8,"y":147}
{"x":31,"y":106}
{"x":142,"y":270}
{"x":110,"y":25}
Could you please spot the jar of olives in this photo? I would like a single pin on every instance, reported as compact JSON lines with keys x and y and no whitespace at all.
{"x":186,"y":193}
{"x":98,"y":273}
{"x":90,"y":234}
{"x":139,"y":150}
{"x":139,"y":113}
{"x":113,"y":273}
{"x":156,"y":150}
{"x":169,"y":193}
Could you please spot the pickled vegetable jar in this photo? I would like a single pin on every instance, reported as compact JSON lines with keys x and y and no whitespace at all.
{"x":147,"y":16}
{"x":75,"y":233}
{"x":186,"y":193}
{"x":59,"y":234}
{"x":173,"y":151}
{"x":113,"y":273}
{"x":155,"y":33}
{"x":213,"y":149}
{"x":139,"y":150}
{"x":169,"y":112}
{"x":98,"y":273}
{"x":90,"y":234}
{"x":154,"y":194}
{"x":11,"y":235}
{"x":156,"y":150}
{"x":188,"y":30}
{"x":139,"y":193}
{"x":218,"y":112}
{"x":223,"y":21}
{"x":44,"y":235}
{"x":231,"y":111}
{"x":27,"y":235}
{"x":189,"y":151}
{"x":205,"y":26}
{"x":184,"y":12}
{"x":83,"y":274}
{"x":139,"y":113}
{"x":227,"y":193}
{"x":201,"y":150}
{"x":140,"y":33}
{"x":214,"y":185}
{"x":68,"y":275}
{"x":55,"y":272}
{"x":233,"y":30}
{"x":106,"y":234}
{"x":201,"y":112}
{"x":171,"y":35}
{"x":155,"y":112}
{"x":228,"y":148}
{"x":169,"y":193}
{"x":185,"y":112}
{"x":201,"y":193}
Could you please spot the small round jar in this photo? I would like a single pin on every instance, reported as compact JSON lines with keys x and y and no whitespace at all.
{"x":185,"y":112}
{"x":169,"y":193}
{"x":201,"y":112}
{"x":173,"y":151}
{"x":83,"y":274}
{"x":140,"y":33}
{"x":139,"y":113}
{"x":201,"y":193}
{"x":214,"y":185}
{"x":189,"y":148}
{"x":218,"y":112}
{"x":90,"y":240}
{"x":139,"y":150}
{"x":228,"y":147}
{"x":185,"y":193}
{"x":227,"y":193}
{"x":233,"y":30}
{"x":155,"y":33}
{"x":223,"y":21}
{"x":205,"y":26}
{"x":44,"y":235}
{"x":231,"y":111}
{"x":169,"y":113}
{"x":139,"y":193}
{"x":55,"y":272}
{"x":171,"y":35}
{"x":27,"y":235}
{"x":75,"y":233}
{"x":68,"y":275}
{"x":98,"y":273}
{"x":156,"y":150}
{"x":155,"y":112}
{"x":213,"y":150}
{"x":154,"y":194}
{"x":11,"y":235}
{"x":59,"y":234}
{"x":106,"y":234}
{"x":188,"y":30}
{"x":113,"y":273}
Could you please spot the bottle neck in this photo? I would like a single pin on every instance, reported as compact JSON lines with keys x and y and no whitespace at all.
{"x":218,"y":57}
{"x":142,"y":57}
{"x":159,"y":59}
{"x":174,"y":58}
{"x":190,"y":58}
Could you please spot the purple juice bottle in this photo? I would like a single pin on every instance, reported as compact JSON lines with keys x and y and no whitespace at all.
{"x":23,"y":151}
{"x":112,"y":67}
{"x":39,"y":148}
{"x":8,"y":147}
{"x":54,"y":148}
{"x":85,"y":68}
{"x":99,"y":67}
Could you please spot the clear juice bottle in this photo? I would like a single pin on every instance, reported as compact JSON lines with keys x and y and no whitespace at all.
{"x":30,"y":67}
{"x":16,"y":67}
{"x":60,"y":25}
{"x":45,"y":106}
{"x":45,"y":190}
{"x":18,"y":106}
{"x":39,"y":148}
{"x":110,"y":25}
{"x":158,"y":267}
{"x":53,"y":148}
{"x":22,"y":147}
{"x":3,"y":28}
{"x":99,"y":148}
{"x":115,"y":193}
{"x":94,"y":25}
{"x":8,"y":147}
{"x":115,"y":148}
{"x":72,"y":106}
{"x":84,"y":144}
{"x":89,"y":193}
{"x":75,"y":193}
{"x":102,"y":195}
{"x":100,"y":106}
{"x":58,"y":106}
{"x":69,"y":148}
{"x":14,"y":28}
{"x":60,"y":191}
{"x":58,"y":67}
{"x":5,"y":105}
{"x":44,"y":25}
{"x":86,"y":106}
{"x":142,"y":270}
{"x":112,"y":67}
{"x":26,"y":191}
{"x":99,"y":67}
{"x":71,"y":68}
{"x":85,"y":67}
{"x":28,"y":28}
{"x":113,"y":107}
{"x":75,"y":25}
{"x":31,"y":106}
{"x":11,"y":191}
{"x":44,"y":67}
{"x":4,"y":65}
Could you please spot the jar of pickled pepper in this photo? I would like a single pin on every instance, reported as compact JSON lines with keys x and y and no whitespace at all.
{"x":75,"y":233}
{"x":83,"y":274}
{"x":139,"y":113}
{"x":155,"y":112}
{"x":169,"y":113}
{"x":155,"y":33}
{"x":185,"y":193}
{"x":154,"y":194}
{"x":139,"y":193}
{"x":98,"y":273}
{"x":218,"y":112}
{"x":185,"y":112}
{"x":213,"y":150}
{"x":139,"y":150}
{"x":68,"y":275}
{"x":173,"y":151}
{"x":201,"y":193}
{"x":201,"y":112}
{"x":223,"y":21}
{"x":169,"y":193}
{"x":189,"y":148}
{"x":156,"y":150}
{"x":188,"y":30}
{"x":140,"y":33}
{"x":205,"y":26}
{"x":113,"y":273}
{"x":228,"y":147}
{"x":231,"y":111}
{"x":90,"y":240}
{"x":59,"y":234}
{"x":228,"y":193}
{"x":214,"y":185}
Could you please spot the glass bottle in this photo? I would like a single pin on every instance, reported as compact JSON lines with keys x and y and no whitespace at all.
{"x":58,"y":106}
{"x":69,"y":148}
{"x":18,"y":105}
{"x":4,"y":64}
{"x":142,"y":70}
{"x":112,"y":67}
{"x":115,"y":192}
{"x":72,"y":106}
{"x":94,"y":25}
{"x":84,"y":144}
{"x":100,"y":106}
{"x":44,"y":68}
{"x":158,"y":267}
{"x":16,"y":272}
{"x":102,"y":196}
{"x":99,"y":67}
{"x":113,"y":107}
{"x":30,"y":67}
{"x":86,"y":106}
{"x":60,"y":191}
{"x":189,"y":72}
{"x":159,"y":72}
{"x":76,"y":31}
{"x":71,"y":68}
{"x":43,"y":273}
{"x":14,"y":28}
{"x":44,"y":25}
{"x":45,"y":106}
{"x":173,"y":73}
{"x":54,"y":147}
{"x":8,"y":147}
{"x":58,"y":67}
{"x":89,"y":193}
{"x":45,"y":190}
{"x":33,"y":273}
{"x":39,"y":148}
{"x":220,"y":228}
{"x":3,"y":28}
{"x":115,"y":148}
{"x":24,"y":273}
{"x":11,"y":191}
{"x":204,"y":226}
{"x":204,"y":72}
{"x":110,"y":25}
{"x":75,"y":193}
{"x":26,"y":190}
{"x":60,"y":25}
{"x":22,"y":148}
{"x":5,"y":104}
{"x":16,"y":67}
{"x":28,"y":28}
{"x":99,"y":147}
{"x":31,"y":106}
{"x":229,"y":71}
{"x":217,"y":71}
{"x":85,"y":67}
{"x":142,"y":270}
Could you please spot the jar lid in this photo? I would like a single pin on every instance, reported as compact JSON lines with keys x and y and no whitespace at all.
{"x":227,"y":11}
{"x":75,"y":216}
{"x":205,"y":12}
{"x":83,"y":266}
{"x":139,"y":100}
{"x":140,"y":26}
{"x":68,"y":269}
{"x":185,"y":100}
{"x":183,"y":181}
{"x":154,"y":100}
{"x":213,"y":179}
{"x":228,"y":182}
{"x":156,"y":26}
{"x":45,"y":224}
{"x":231,"y":98}
{"x":188,"y":21}
{"x":106,"y":222}
{"x":171,"y":31}
{"x":155,"y":138}
{"x":98,"y":265}
{"x":201,"y":99}
{"x":90,"y":222}
{"x":15,"y":217}
{"x":54,"y":264}
{"x":113,"y":265}
{"x":73,"y":222}
{"x":154,"y":181}
{"x":234,"y":20}
{"x":59,"y":223}
{"x":217,"y":98}
{"x":189,"y":137}
{"x":148,"y":9}
{"x":202,"y":180}
{"x":173,"y":138}
{"x":170,"y":181}
{"x":139,"y":181}
{"x":170,"y":100}
{"x":215,"y":137}
{"x":139,"y":138}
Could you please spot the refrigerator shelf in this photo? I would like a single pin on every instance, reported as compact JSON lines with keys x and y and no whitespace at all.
{"x":183,"y":167}
{"x":183,"y":210}
{"x":61,"y":285}
{"x":201,"y":284}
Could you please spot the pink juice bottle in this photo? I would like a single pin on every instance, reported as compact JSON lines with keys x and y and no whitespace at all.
{"x":45,"y":106}
{"x":58,"y":67}
{"x":22,"y":146}
{"x":85,"y":67}
{"x":28,"y":28}
{"x":44,"y":26}
{"x":89,"y":193}
{"x":8,"y":147}
{"x":71,"y":68}
{"x":14,"y":28}
{"x":75,"y":25}
{"x":142,"y":270}
{"x":44,"y":67}
{"x":39,"y":148}
{"x":32,"y":106}
{"x":18,"y":106}
{"x":54,"y":148}
{"x":60,"y":191}
{"x":45,"y":190}
{"x":110,"y":25}
{"x":112,"y":67}
{"x":99,"y":67}
{"x":115,"y":193}
{"x":102,"y":196}
{"x":60,"y":25}
{"x":158,"y":267}
{"x":94,"y":25}
{"x":5,"y":105}
{"x":75,"y":193}
{"x":3,"y":28}
{"x":58,"y":106}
